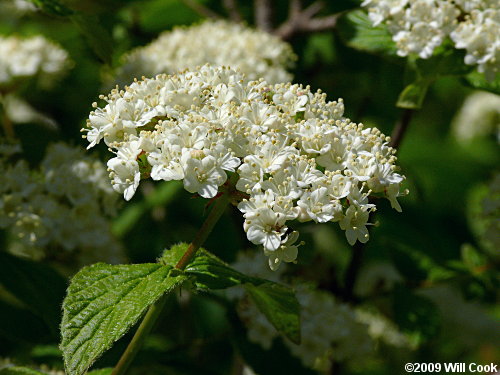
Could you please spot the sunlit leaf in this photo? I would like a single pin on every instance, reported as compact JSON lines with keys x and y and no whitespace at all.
{"x":103,"y":303}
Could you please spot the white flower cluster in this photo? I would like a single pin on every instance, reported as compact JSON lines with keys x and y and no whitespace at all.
{"x":22,"y":58}
{"x":295,"y":154}
{"x":257,"y":54}
{"x":59,"y":208}
{"x":419,"y":26}
{"x":330,"y":330}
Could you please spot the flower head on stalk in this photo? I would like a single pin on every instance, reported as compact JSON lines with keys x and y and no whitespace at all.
{"x":295,"y":154}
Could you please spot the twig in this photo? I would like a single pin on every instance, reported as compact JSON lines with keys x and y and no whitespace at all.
{"x":263,"y":15}
{"x":399,"y":130}
{"x":304,"y":20}
{"x":232,"y":10}
{"x":201,"y":9}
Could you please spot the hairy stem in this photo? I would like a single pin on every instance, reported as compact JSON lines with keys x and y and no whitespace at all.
{"x":154,"y":311}
{"x":219,"y":207}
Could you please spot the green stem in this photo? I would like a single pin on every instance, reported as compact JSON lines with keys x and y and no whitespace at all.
{"x":136,"y":343}
{"x":154,"y":311}
{"x":219,"y":207}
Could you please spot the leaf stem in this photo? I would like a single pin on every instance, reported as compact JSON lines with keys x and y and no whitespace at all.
{"x":154,"y":311}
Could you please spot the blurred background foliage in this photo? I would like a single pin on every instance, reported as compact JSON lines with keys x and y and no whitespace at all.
{"x":428,"y":269}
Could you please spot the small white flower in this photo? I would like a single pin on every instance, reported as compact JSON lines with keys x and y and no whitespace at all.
{"x":265,"y":227}
{"x":354,"y":223}
{"x":125,"y":174}
{"x":287,"y":252}
{"x":203,"y":176}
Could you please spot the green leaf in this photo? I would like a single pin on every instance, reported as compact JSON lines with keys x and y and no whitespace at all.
{"x":358,"y":32}
{"x":38,"y":286}
{"x":212,"y":273}
{"x":171,"y":257}
{"x":478,"y":81}
{"x":18,"y":370}
{"x":280,"y":306}
{"x":277,"y":302}
{"x":413,"y":95}
{"x":103,"y":303}
{"x":97,"y":36}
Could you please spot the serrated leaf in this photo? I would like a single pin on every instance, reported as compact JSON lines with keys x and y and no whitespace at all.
{"x":478,"y":81}
{"x":358,"y":32}
{"x":38,"y":286}
{"x":98,"y":38}
{"x":18,"y":370}
{"x":280,"y":306}
{"x":413,"y":95}
{"x":211,"y":272}
{"x":103,"y":303}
